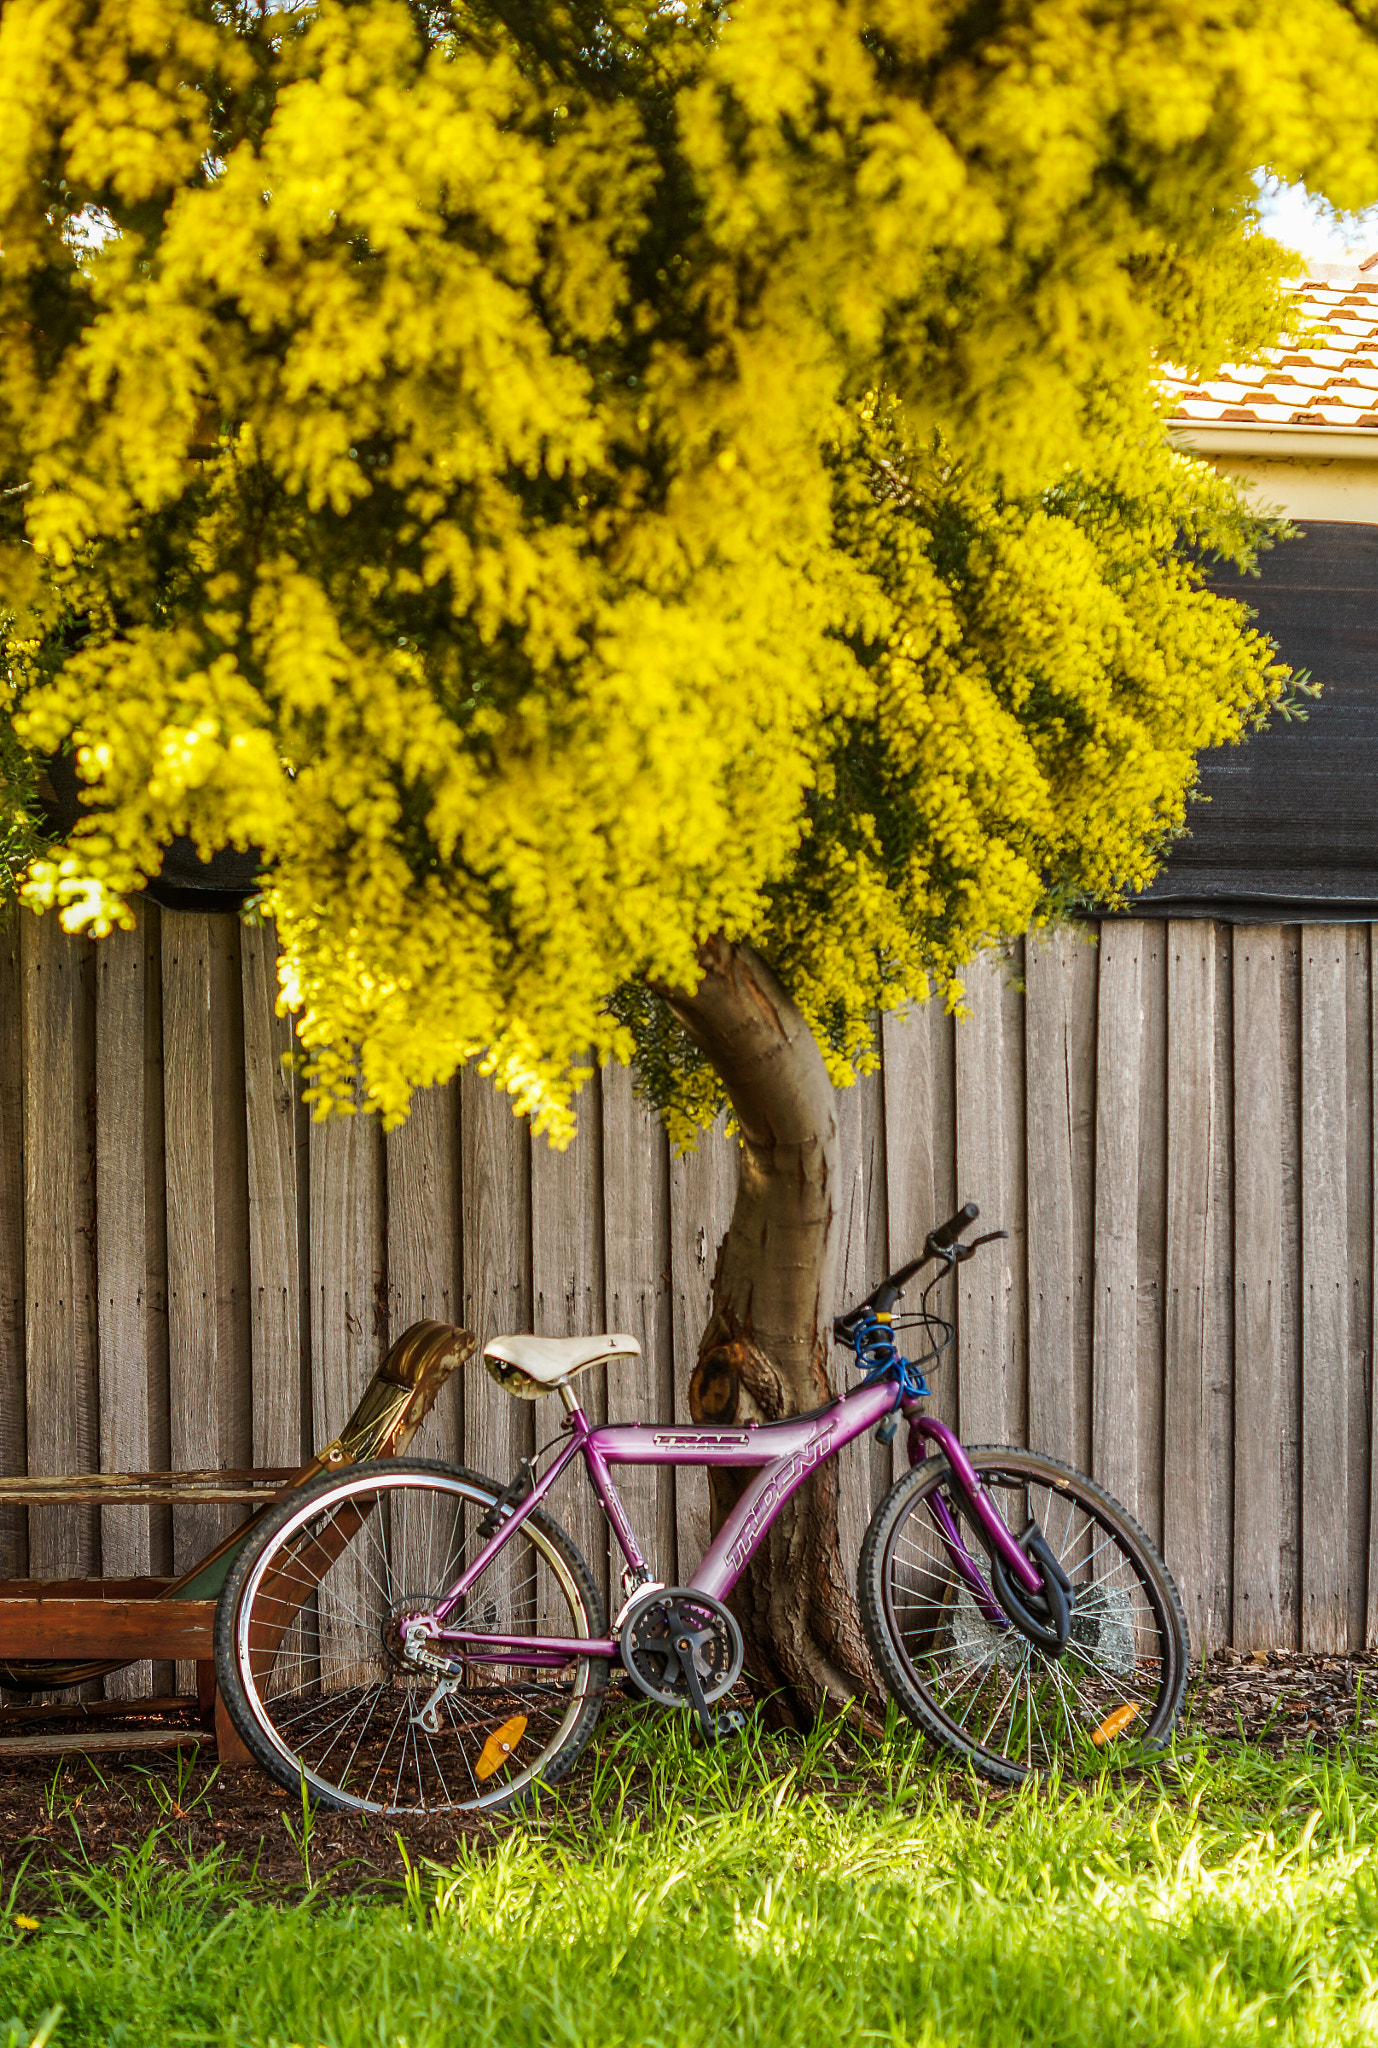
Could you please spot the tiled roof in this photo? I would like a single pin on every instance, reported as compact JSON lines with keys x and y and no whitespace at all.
{"x":1331,"y":382}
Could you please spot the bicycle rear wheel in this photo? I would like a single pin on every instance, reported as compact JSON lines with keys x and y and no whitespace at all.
{"x":309,"y":1657}
{"x":985,"y":1690}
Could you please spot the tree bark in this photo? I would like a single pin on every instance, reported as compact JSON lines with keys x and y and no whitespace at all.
{"x":764,"y":1352}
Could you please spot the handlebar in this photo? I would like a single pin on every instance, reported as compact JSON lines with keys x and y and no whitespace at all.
{"x":942,"y":1241}
{"x":946,"y":1235}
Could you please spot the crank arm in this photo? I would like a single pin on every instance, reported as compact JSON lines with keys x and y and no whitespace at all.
{"x":707,"y":1724}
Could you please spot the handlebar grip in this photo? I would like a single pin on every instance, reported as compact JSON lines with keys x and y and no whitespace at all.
{"x":946,"y":1235}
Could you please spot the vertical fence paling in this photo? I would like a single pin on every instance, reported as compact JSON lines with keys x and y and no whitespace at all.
{"x":279,"y":1304}
{"x":701,"y":1193}
{"x":59,"y":1238}
{"x":1193,"y":1137}
{"x":567,"y":1294}
{"x":423,"y":1247}
{"x":1115,"y":1372}
{"x":1359,"y":1269}
{"x":636,"y":1261}
{"x":132,"y":1365}
{"x":1259,"y":1389}
{"x":1325,"y":1305}
{"x":1177,"y":1127}
{"x":1059,"y":1421}
{"x":14,"y":1531}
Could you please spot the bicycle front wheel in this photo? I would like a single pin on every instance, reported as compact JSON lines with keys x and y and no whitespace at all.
{"x":975,"y":1683}
{"x":309,"y":1655}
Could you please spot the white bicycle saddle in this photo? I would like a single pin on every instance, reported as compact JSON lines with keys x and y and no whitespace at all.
{"x":530,"y":1366}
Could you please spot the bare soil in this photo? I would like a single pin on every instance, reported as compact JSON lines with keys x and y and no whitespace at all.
{"x":60,"y":1811}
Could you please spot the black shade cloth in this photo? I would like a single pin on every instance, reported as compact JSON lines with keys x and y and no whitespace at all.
{"x":1291,"y":829}
{"x":184,"y":882}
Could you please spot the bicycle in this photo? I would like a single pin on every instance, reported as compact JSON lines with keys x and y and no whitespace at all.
{"x":412,"y":1636}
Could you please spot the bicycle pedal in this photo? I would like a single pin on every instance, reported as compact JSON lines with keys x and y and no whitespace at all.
{"x":727,"y":1722}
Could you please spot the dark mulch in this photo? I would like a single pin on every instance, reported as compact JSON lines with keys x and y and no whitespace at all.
{"x":1280,"y":1698}
{"x":55,"y":1811}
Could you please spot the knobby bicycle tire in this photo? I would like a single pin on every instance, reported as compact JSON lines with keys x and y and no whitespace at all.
{"x":308,"y":1659}
{"x":986,"y":1692}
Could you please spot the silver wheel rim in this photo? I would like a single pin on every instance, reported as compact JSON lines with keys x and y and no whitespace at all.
{"x":353,"y":1704}
{"x":993,"y":1688}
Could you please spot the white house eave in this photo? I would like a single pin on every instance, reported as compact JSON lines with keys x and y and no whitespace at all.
{"x":1313,"y":444}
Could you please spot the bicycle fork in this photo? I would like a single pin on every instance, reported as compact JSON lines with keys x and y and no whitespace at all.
{"x":1031,"y":1590}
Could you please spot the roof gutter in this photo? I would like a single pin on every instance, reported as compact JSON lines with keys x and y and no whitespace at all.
{"x":1314,"y":444}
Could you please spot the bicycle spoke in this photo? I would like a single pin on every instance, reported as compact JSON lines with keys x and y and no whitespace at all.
{"x":991,"y":1692}
{"x":338,"y":1698}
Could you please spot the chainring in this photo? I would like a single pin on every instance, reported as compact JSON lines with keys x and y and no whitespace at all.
{"x":668,"y":1626}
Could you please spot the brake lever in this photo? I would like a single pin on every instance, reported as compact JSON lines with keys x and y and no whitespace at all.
{"x":967,"y":1251}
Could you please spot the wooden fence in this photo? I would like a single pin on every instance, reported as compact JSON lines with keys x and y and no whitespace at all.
{"x":1176,"y":1125}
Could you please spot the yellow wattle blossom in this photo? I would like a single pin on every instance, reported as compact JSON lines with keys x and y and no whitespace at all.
{"x":562,"y":486}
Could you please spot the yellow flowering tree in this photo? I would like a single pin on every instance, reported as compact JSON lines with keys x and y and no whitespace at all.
{"x":652,"y":518}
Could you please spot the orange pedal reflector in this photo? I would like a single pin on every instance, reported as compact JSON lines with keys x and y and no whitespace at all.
{"x":1113,"y":1725}
{"x":500,"y":1746}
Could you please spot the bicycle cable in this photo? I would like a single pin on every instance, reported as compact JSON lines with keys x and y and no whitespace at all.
{"x":878,"y":1357}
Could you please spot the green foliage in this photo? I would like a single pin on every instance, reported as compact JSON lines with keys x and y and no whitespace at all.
{"x":564,"y":480}
{"x":766,"y":1894}
{"x":23,"y":836}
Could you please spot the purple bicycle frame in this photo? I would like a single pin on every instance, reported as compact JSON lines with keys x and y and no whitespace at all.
{"x":784,"y":1454}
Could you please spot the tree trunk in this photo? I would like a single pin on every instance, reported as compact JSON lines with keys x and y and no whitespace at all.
{"x":764,"y":1352}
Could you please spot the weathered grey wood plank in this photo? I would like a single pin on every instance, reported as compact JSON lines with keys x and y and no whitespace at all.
{"x":1371,"y":1604}
{"x":567,"y":1301}
{"x":919,"y":1152}
{"x":132,"y":1363}
{"x":421,"y":1159}
{"x":1220,"y":1315}
{"x":349,"y":1311}
{"x":209,"y":1366}
{"x":1084,"y":974}
{"x":62,"y":1395}
{"x":1153,"y":1242}
{"x":349,"y":1308}
{"x":983,"y":1285}
{"x":636,"y":1263}
{"x":703,"y":1187}
{"x":1060,"y":998}
{"x":1191,"y":1141}
{"x":1114,"y":1388}
{"x":860,"y":1264}
{"x":946,"y":1200}
{"x":495,"y":1181}
{"x":912,"y":1139}
{"x":1290,"y":1319}
{"x":423,"y":1226}
{"x":1013,"y":1211}
{"x":1258,"y":970}
{"x":1325,"y":1304}
{"x":14,"y":1531}
{"x":1358,"y":1261}
{"x":279,"y":1334}
{"x":160,"y":1416}
{"x":872,"y":1104}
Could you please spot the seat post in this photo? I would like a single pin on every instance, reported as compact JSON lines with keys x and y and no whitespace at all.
{"x":567,"y":1394}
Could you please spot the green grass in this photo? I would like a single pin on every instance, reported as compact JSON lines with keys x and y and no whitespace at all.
{"x":763,"y":1894}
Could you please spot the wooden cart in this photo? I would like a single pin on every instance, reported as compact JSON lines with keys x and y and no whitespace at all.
{"x":57,"y":1633}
